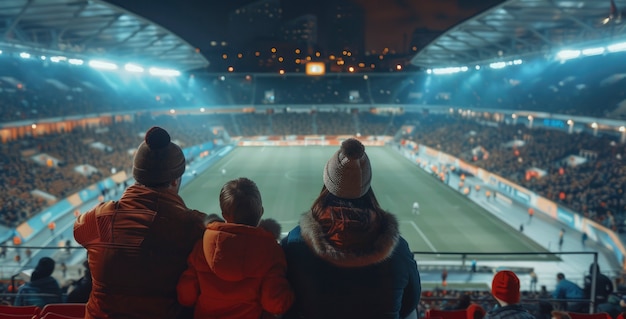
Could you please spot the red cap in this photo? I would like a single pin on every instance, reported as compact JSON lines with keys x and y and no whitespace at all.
{"x":505,"y":287}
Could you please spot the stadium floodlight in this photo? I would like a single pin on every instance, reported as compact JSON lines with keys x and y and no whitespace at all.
{"x":450,"y":70}
{"x":133,"y":68}
{"x":617,"y":47}
{"x":593,"y":51}
{"x":568,"y":54}
{"x":497,"y":65}
{"x":76,"y":61}
{"x":43,"y":57}
{"x":517,"y":62}
{"x":163,"y":72}
{"x":0,"y":51}
{"x":25,"y":55}
{"x":96,"y":64}
{"x":57,"y":59}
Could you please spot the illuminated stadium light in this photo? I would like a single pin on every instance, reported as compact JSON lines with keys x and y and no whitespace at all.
{"x":163,"y":72}
{"x":0,"y":51}
{"x":25,"y":55}
{"x":497,"y":65}
{"x":76,"y":61}
{"x":202,"y":110}
{"x":429,"y":71}
{"x":172,"y":111}
{"x":517,"y":62}
{"x":102,"y":65}
{"x":477,"y":67}
{"x":617,"y":47}
{"x":43,"y":57}
{"x":450,"y":70}
{"x":568,"y":54}
{"x":593,"y":51}
{"x":57,"y":59}
{"x":133,"y":68}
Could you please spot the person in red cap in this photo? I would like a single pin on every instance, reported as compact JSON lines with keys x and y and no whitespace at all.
{"x":505,"y":289}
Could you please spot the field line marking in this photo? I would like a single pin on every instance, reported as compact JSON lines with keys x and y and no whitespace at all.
{"x":423,"y":236}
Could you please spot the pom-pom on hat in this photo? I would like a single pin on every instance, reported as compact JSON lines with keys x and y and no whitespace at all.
{"x":158,"y":160}
{"x":348,"y":173}
{"x":505,"y":287}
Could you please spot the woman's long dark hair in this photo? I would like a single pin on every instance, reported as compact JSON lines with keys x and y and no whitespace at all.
{"x":326,"y":199}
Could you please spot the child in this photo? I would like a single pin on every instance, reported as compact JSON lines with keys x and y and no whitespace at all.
{"x":238,"y":269}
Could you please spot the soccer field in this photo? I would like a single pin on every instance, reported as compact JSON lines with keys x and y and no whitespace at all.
{"x":290,"y":178}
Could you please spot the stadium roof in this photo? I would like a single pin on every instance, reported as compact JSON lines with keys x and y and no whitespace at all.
{"x":92,"y":29}
{"x":522,"y":28}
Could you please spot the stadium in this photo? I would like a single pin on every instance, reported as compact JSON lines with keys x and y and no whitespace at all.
{"x":508,"y":129}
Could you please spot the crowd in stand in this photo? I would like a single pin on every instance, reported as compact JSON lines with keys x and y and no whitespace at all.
{"x":594,"y":188}
{"x":37,"y":90}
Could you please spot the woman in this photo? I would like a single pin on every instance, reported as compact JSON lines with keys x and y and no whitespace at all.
{"x":346,"y":259}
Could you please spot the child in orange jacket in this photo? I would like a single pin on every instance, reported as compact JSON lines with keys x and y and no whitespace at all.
{"x":238,"y":269}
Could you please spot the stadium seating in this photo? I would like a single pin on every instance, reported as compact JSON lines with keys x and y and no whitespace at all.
{"x":52,"y":315}
{"x":599,"y":315}
{"x":71,"y":310}
{"x":447,"y":314}
{"x":13,"y":311}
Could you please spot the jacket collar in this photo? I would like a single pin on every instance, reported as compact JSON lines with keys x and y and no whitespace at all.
{"x":362,"y":242}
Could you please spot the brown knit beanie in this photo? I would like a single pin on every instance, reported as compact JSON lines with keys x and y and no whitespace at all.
{"x":158,"y":160}
{"x":347,"y":173}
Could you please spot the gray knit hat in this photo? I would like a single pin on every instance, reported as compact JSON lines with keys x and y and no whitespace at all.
{"x":157,"y":159}
{"x":347,"y":173}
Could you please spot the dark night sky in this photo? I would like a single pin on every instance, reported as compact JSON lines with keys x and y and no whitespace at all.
{"x":387,"y":21}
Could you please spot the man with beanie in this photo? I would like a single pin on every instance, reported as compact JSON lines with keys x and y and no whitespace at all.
{"x":346,"y":258}
{"x":42,"y":288}
{"x":505,"y":288}
{"x":138,"y":245}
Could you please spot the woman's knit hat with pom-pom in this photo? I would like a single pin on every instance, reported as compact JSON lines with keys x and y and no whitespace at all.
{"x":347,"y":173}
{"x":158,"y":160}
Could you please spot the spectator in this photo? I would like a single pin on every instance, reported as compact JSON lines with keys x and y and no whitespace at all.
{"x":237,"y":270}
{"x":42,"y":288}
{"x":138,"y":246}
{"x":346,"y":259}
{"x":79,"y":292}
{"x":566,"y":289}
{"x":505,"y":288}
{"x":611,"y":306}
{"x":603,"y":288}
{"x":475,"y":311}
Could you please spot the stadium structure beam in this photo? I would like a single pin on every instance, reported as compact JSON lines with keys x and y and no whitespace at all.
{"x":17,"y":19}
{"x":113,"y":19}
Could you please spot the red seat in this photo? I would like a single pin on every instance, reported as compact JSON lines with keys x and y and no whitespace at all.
{"x":19,"y":310}
{"x":52,"y":315}
{"x":447,"y":314}
{"x":66,"y":309}
{"x":579,"y":315}
{"x":12,"y":316}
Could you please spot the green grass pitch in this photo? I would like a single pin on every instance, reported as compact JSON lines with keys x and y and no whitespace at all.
{"x":290,"y":178}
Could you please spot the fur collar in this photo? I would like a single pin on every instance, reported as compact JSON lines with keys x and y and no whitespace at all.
{"x":382,"y":245}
